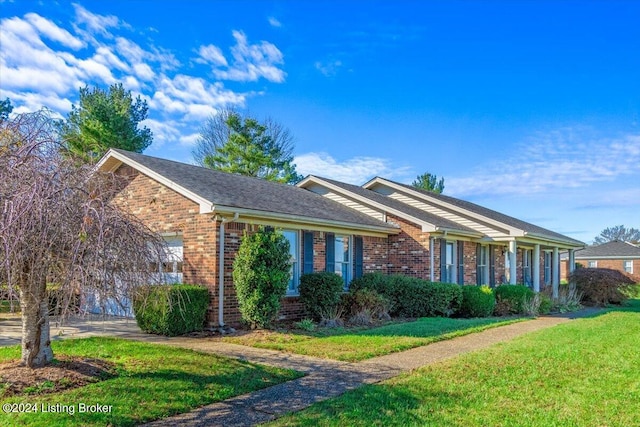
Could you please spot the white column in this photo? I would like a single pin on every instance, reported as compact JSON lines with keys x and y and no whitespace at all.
{"x":572,"y":260}
{"x":536,"y":267}
{"x":513,"y":275}
{"x":555,"y":275}
{"x":432,"y":273}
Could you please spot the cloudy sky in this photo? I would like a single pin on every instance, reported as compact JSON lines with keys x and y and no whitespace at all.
{"x":529,"y":108}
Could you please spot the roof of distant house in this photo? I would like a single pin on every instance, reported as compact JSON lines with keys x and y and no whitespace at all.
{"x":616,"y":249}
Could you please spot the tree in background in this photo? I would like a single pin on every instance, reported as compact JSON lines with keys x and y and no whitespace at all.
{"x":618,"y":232}
{"x":429,"y":182}
{"x":232,"y":143}
{"x":58,"y":227}
{"x":5,"y":109}
{"x":103,"y":120}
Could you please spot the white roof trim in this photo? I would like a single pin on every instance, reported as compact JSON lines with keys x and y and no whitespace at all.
{"x":206,"y":206}
{"x":513,"y":231}
{"x":426,"y":226}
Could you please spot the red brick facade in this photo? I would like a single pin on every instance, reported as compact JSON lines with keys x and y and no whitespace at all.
{"x":166,"y":211}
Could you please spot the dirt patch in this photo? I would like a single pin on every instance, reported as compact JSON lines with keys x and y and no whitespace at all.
{"x":63,"y":373}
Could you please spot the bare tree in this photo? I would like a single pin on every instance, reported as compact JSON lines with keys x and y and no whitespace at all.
{"x":618,"y":232}
{"x":58,"y":226}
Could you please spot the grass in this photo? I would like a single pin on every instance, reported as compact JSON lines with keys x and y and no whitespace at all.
{"x":359,"y":344}
{"x":582,"y":373}
{"x":154,"y":381}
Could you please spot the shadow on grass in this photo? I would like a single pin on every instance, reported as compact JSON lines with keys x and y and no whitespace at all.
{"x":631,"y":305}
{"x":379,"y":405}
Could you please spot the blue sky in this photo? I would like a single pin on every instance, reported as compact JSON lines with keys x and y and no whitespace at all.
{"x":531,"y":108}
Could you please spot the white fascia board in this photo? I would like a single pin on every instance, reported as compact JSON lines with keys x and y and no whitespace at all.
{"x":513,"y":231}
{"x":252,"y":213}
{"x":206,"y":206}
{"x":426,"y":226}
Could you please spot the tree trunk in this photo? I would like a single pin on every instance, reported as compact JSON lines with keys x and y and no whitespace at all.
{"x":36,"y":343}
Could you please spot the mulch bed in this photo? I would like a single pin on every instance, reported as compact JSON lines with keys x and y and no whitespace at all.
{"x":63,"y":373}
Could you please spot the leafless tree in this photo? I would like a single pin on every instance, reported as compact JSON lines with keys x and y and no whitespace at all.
{"x":59,"y":227}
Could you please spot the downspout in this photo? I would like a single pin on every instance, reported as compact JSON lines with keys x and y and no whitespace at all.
{"x":221,"y":269}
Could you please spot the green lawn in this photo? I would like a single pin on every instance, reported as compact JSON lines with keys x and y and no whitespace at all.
{"x":355,"y":345}
{"x":582,"y":373}
{"x":154,"y":381}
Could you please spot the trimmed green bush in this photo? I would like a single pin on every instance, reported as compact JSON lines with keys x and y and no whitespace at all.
{"x":320,"y":293}
{"x":261,"y":273}
{"x":477,"y":301}
{"x":412,"y":297}
{"x":171,"y":309}
{"x":602,"y":286}
{"x":510,"y":299}
{"x":365,"y":305}
{"x":545,"y":303}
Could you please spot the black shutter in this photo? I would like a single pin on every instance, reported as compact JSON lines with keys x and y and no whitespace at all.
{"x":460,"y":262}
{"x":330,"y":252}
{"x":307,"y":242}
{"x":492,"y":266}
{"x":359,"y":261}
{"x":443,"y":260}
{"x":479,"y":277}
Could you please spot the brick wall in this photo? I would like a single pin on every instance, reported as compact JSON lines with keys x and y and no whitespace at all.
{"x":615,"y":264}
{"x":409,"y":250}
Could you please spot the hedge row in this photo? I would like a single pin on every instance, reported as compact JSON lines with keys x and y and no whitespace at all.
{"x":171,"y":309}
{"x":412,"y":297}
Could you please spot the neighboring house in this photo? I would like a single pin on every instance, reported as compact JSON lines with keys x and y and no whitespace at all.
{"x":617,"y":255}
{"x":382,"y":226}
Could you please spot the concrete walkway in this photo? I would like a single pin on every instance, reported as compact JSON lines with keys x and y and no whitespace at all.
{"x":324,"y":378}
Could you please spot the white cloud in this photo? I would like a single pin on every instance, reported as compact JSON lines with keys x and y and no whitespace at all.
{"x":252,"y":62}
{"x":53,"y":32}
{"x":328,"y":68}
{"x":95,"y":24}
{"x":211,"y":54}
{"x":274,"y":22}
{"x":563,"y":159}
{"x":189,"y":140}
{"x":356,"y":170}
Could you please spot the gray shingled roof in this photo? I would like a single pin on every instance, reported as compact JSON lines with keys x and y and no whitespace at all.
{"x":399,"y":206}
{"x":245,"y":192}
{"x":497,"y":216}
{"x":615,"y":249}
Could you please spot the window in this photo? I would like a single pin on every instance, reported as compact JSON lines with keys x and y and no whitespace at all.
{"x":628,"y":266}
{"x":449,"y":263}
{"x":170,"y":269}
{"x":547,"y":268}
{"x":294,"y":280}
{"x":526,"y":266}
{"x":342,"y":246}
{"x":483,"y":266}
{"x":593,"y":264}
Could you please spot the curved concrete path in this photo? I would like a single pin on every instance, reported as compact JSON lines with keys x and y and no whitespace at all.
{"x":327,"y":378}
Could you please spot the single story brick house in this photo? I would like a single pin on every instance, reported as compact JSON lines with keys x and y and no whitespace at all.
{"x":616,"y":255}
{"x":382,"y":226}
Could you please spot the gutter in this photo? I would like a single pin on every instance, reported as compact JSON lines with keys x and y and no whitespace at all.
{"x":221,"y":269}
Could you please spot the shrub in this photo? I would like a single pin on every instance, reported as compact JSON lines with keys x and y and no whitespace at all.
{"x":261,"y":276}
{"x":477,"y":301}
{"x":510,"y":299}
{"x":320,"y":294}
{"x":412,"y":297}
{"x":305,"y":325}
{"x":171,"y":309}
{"x":601,"y":286}
{"x":545,"y":304}
{"x":365,"y":305}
